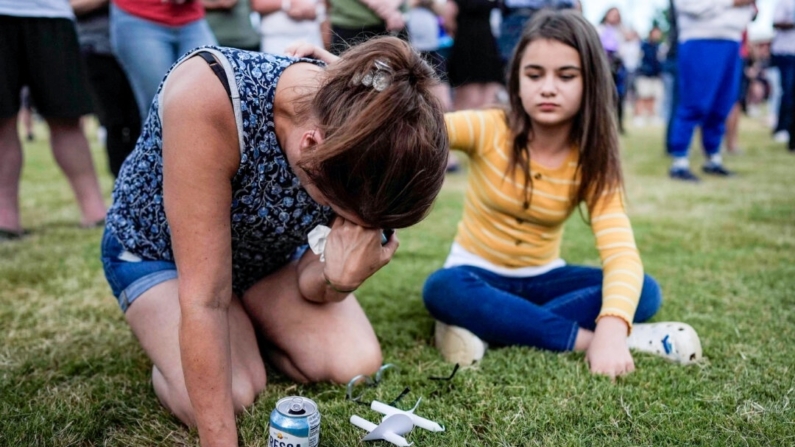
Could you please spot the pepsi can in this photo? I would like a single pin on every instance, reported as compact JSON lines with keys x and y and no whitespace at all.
{"x":295,"y":422}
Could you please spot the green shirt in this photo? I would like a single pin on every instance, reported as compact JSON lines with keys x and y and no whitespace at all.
{"x":232,"y":27}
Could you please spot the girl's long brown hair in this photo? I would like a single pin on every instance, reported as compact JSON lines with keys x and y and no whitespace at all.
{"x":594,"y":130}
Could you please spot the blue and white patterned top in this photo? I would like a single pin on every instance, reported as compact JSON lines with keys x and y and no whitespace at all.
{"x":271,"y":212}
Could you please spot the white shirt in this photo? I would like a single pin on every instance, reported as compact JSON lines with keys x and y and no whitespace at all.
{"x":711,"y":19}
{"x":37,"y":8}
{"x":784,"y":40}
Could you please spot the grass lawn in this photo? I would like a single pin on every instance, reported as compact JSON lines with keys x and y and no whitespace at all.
{"x":71,"y":372}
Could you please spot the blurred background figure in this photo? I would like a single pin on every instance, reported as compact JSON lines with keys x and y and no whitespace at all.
{"x":111,"y":94}
{"x":148,"y":36}
{"x":783,"y":57}
{"x":669,"y":73}
{"x":230,"y":21}
{"x":426,"y":33}
{"x":708,"y":76}
{"x":516,"y":13}
{"x":475,"y":67}
{"x":26,"y":113}
{"x":38,"y":47}
{"x":286,"y":21}
{"x":425,"y":30}
{"x":355,"y":21}
{"x":648,"y":83}
{"x":631,"y":56}
{"x":614,"y":36}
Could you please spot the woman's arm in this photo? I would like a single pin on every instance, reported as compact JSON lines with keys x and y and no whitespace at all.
{"x":200,"y":156}
{"x":81,"y":7}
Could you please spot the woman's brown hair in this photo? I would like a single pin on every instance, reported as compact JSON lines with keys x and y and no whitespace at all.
{"x":384,"y":153}
{"x":594,"y":129}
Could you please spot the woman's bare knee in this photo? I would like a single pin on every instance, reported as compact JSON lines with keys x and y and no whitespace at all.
{"x":246,"y":387}
{"x":174,"y":397}
{"x":342,"y":366}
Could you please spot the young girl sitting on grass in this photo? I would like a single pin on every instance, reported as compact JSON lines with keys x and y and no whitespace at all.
{"x":531,"y":167}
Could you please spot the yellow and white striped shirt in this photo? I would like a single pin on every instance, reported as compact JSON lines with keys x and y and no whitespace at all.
{"x":497,"y":228}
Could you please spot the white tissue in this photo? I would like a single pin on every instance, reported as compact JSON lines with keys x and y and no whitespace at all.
{"x":317,"y":240}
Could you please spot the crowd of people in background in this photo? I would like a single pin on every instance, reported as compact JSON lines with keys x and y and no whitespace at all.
{"x":125,"y":48}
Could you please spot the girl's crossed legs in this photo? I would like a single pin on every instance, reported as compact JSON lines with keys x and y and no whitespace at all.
{"x":545,"y":311}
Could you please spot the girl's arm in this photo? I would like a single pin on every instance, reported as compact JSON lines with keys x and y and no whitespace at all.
{"x":471,"y":131}
{"x":621,"y":287}
{"x":200,"y":157}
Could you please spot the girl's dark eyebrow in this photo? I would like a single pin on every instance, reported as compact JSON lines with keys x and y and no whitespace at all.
{"x":539,"y":67}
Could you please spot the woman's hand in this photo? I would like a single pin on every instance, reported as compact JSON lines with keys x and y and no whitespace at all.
{"x":608,"y":352}
{"x":353,"y":253}
{"x":306,"y":49}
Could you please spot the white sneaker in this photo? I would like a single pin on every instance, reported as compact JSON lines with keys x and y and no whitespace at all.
{"x":674,"y":341}
{"x":782,"y":136}
{"x":458,"y":345}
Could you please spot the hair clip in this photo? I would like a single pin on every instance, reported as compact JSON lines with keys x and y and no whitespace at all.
{"x":378,"y":78}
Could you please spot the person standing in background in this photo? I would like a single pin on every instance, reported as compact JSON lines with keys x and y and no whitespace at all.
{"x":38,"y":48}
{"x":356,"y":21}
{"x":230,"y":21}
{"x":708,"y":65}
{"x":287,"y":21}
{"x":516,"y":13}
{"x":783,"y":57}
{"x":111,"y":94}
{"x":614,"y":36}
{"x":148,"y":36}
{"x":648,"y":84}
{"x":475,"y":67}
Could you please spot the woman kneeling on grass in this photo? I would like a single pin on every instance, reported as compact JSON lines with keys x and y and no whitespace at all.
{"x":530,"y":168}
{"x":241,"y":156}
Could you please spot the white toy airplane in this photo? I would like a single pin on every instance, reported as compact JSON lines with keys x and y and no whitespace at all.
{"x":396,"y":423}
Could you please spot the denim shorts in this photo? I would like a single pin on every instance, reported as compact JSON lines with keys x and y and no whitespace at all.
{"x":130,"y":276}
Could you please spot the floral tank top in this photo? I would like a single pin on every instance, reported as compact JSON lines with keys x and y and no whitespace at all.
{"x":271,"y":212}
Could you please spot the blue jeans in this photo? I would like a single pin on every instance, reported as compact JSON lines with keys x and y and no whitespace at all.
{"x":147,"y":50}
{"x":543,"y":311}
{"x":708,"y":81}
{"x":128,"y":276}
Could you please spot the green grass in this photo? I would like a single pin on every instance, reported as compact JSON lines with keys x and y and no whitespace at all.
{"x":71,"y":372}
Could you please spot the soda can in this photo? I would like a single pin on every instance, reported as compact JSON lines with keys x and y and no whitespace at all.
{"x":295,"y":422}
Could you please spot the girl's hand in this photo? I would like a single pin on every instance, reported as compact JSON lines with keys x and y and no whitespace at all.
{"x":354,"y":253}
{"x":608,"y":353}
{"x":306,"y":49}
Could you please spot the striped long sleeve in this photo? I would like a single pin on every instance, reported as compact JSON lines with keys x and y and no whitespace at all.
{"x":496,"y":227}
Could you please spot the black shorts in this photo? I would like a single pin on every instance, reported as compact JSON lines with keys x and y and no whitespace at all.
{"x":43,"y":54}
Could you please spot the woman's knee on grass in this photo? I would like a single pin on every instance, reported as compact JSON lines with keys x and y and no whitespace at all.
{"x":247,"y":383}
{"x":339,"y":362}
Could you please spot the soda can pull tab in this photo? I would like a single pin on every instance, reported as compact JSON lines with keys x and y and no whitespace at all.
{"x":297,"y":406}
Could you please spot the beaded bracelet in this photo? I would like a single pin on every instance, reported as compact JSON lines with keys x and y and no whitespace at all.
{"x":334,"y":288}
